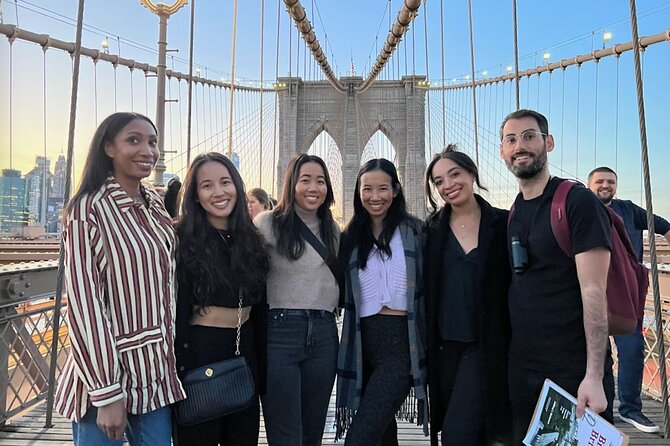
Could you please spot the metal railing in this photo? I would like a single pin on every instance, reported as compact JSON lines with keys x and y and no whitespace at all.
{"x":26,"y":319}
{"x":26,"y":331}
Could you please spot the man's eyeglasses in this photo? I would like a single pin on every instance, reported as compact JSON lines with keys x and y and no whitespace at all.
{"x":527,"y":136}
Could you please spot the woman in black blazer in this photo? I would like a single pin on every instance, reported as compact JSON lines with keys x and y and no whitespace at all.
{"x":467,"y":276}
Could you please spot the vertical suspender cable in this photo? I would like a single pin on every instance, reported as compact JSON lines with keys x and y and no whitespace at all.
{"x":260,"y":106}
{"x":516,"y":55}
{"x":43,"y":200}
{"x":95,"y":91}
{"x":11,"y":103}
{"x":662,"y":359}
{"x":132,"y":92}
{"x":425,"y":43}
{"x":189,"y":112}
{"x":274,"y":130}
{"x":616,"y":119}
{"x":579,"y":86}
{"x":595,"y":119}
{"x":562,"y":115}
{"x":232,"y":84}
{"x":76,"y":55}
{"x":474,"y":94}
{"x":444,"y":126}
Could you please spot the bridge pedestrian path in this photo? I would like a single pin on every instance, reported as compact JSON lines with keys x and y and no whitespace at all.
{"x":28,"y":429}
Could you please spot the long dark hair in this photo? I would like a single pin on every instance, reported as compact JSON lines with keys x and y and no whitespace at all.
{"x":249,"y":260}
{"x":98,"y":165}
{"x":463,"y":160}
{"x":359,"y":230}
{"x":290,"y":243}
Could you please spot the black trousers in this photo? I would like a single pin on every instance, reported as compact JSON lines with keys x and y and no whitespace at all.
{"x":211,"y":344}
{"x":460,"y":390}
{"x":525,"y":386}
{"x":386,"y":381}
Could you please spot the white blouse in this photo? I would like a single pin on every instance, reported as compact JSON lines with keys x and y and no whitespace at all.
{"x":384,"y":279}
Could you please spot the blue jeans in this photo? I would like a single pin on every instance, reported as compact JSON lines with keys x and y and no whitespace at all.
{"x":149,"y":429}
{"x":630,"y":350}
{"x":301,"y":360}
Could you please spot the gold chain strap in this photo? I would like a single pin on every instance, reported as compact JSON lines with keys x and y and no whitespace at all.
{"x":239,"y":327}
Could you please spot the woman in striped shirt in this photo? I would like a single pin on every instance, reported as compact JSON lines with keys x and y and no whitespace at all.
{"x":120,"y":375}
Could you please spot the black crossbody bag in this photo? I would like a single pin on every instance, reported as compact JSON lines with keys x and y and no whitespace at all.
{"x":217,"y":389}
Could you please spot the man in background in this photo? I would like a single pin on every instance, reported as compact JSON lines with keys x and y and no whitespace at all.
{"x":603,"y":182}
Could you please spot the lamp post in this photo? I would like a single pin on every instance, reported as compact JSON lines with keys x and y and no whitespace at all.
{"x":607,"y":36}
{"x":163,"y":12}
{"x":546,"y":57}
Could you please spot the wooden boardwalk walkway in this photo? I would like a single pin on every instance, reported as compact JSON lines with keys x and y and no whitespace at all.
{"x":28,"y":430}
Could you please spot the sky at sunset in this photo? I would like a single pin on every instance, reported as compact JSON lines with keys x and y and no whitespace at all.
{"x":563,"y":28}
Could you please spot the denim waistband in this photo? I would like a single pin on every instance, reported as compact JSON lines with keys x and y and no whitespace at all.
{"x":300,"y":312}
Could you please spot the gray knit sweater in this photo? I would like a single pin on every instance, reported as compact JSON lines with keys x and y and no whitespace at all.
{"x":305,"y":283}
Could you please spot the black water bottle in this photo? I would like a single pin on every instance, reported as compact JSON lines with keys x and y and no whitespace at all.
{"x":519,"y":256}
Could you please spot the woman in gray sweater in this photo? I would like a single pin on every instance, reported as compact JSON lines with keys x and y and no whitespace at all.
{"x":302,"y":293}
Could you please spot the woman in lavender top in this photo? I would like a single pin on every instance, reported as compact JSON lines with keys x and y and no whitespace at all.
{"x":381,"y":352}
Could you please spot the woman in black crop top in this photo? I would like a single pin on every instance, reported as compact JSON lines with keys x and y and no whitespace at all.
{"x":220,"y":260}
{"x":467,"y":277}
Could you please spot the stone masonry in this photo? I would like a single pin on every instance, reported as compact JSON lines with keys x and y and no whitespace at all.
{"x":397,"y":108}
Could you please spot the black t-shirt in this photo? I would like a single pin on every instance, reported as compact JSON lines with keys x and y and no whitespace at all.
{"x":545,"y":300}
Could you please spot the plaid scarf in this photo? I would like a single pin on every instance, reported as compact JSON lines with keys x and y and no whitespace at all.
{"x":350,"y":359}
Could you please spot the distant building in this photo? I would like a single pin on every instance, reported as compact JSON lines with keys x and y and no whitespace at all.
{"x":38,"y":187}
{"x":58,"y":185}
{"x":13,"y":213}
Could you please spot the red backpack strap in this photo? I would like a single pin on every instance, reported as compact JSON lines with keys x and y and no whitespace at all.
{"x":559,"y":217}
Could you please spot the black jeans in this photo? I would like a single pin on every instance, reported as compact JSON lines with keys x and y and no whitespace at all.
{"x":459,"y":367}
{"x":386,"y":381}
{"x":211,"y":344}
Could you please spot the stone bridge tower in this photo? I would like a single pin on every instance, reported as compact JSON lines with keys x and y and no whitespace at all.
{"x":397,"y":108}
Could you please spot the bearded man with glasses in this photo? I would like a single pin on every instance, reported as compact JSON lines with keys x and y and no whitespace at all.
{"x":557,"y":303}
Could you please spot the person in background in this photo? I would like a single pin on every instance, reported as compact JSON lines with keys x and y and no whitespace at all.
{"x":382,"y":351}
{"x":120,"y":375}
{"x":171,"y":194}
{"x":467,"y":276}
{"x":630,"y":349}
{"x":558,"y":306}
{"x":303,"y":293}
{"x":221,"y":270}
{"x":258,"y":201}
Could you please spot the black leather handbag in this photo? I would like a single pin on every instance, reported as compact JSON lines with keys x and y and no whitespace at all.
{"x":217,"y":389}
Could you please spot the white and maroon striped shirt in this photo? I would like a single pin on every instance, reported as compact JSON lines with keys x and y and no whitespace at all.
{"x":119,"y":270}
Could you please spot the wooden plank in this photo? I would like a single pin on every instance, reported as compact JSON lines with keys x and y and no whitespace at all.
{"x":28,"y":429}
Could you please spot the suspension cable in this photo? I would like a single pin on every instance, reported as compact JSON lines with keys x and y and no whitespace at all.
{"x":406,"y":15}
{"x":76,"y":56}
{"x":616,"y":119}
{"x":43,"y":198}
{"x":474,"y":93}
{"x":260,"y":105}
{"x":232,"y":83}
{"x":662,"y":359}
{"x":274,"y":131}
{"x":425,"y":43}
{"x":444,"y":143}
{"x":516,"y":55}
{"x":595,"y":118}
{"x":579,"y":86}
